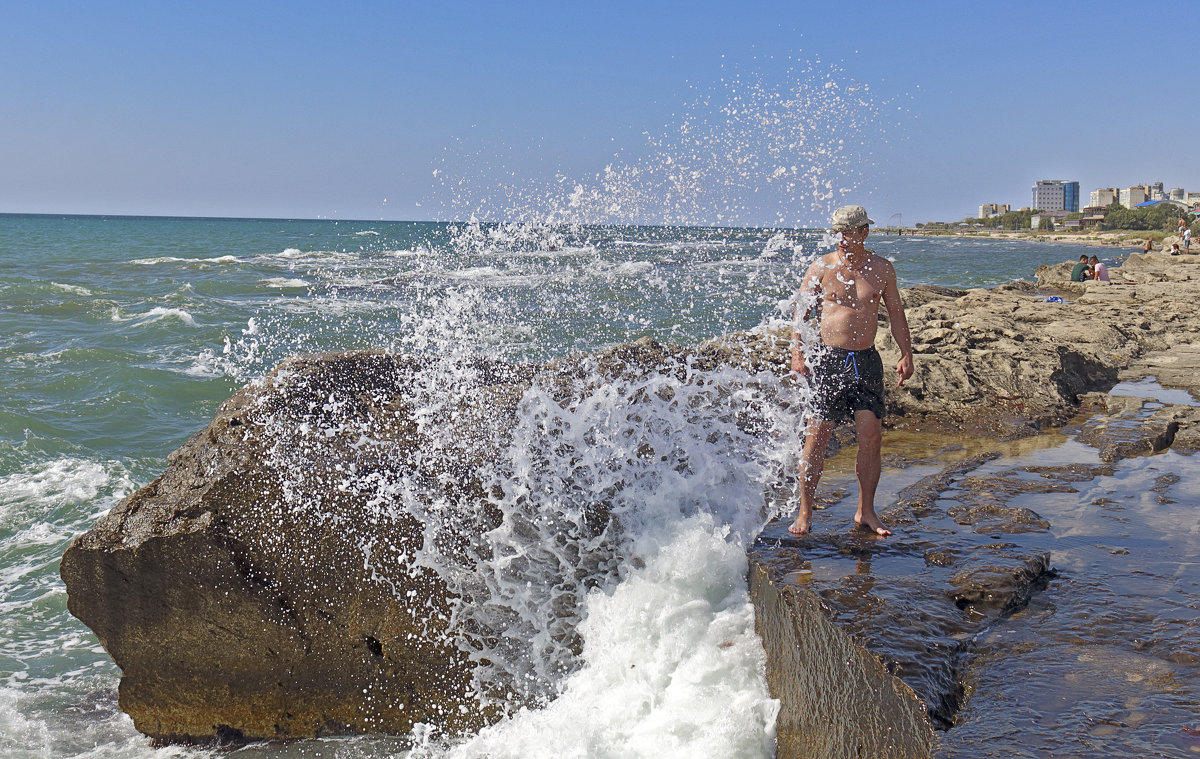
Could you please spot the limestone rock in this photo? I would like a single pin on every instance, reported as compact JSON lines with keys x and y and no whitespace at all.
{"x":837,"y":698}
{"x":234,"y":613}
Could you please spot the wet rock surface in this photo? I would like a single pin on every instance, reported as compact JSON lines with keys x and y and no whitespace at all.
{"x":1126,"y":426}
{"x":1005,"y":649}
{"x":1101,"y":662}
{"x":918,"y":601}
{"x":837,"y":698}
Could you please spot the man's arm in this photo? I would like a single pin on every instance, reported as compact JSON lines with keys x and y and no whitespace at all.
{"x":895,"y":312}
{"x":809,"y":293}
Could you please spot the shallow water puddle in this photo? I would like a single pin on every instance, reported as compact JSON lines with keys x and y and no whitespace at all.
{"x":1150,"y":389}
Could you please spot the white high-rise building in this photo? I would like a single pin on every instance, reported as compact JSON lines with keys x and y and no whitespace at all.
{"x":1056,"y":195}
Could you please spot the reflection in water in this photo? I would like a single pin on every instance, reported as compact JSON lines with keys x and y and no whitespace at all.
{"x":1101,"y":662}
{"x":1104,"y":662}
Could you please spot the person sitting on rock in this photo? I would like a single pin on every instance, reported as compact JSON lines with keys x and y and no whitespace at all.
{"x":1148,"y":247}
{"x":1175,"y":249}
{"x":1099,"y":270}
{"x":845,"y":288}
{"x":1080,"y":272}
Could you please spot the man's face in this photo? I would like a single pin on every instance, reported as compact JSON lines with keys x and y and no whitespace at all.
{"x":855,"y":234}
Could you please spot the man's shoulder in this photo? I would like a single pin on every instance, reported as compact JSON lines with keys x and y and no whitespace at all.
{"x":880,"y":263}
{"x":821,"y":263}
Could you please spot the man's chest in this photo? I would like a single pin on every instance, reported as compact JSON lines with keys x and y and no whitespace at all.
{"x":849,"y":287}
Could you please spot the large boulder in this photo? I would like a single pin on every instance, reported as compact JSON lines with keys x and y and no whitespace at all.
{"x":242,"y":593}
{"x":316,"y":560}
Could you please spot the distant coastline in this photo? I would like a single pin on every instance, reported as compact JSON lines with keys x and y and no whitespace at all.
{"x":1117,"y":238}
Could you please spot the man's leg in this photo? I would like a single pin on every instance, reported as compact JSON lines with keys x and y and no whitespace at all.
{"x":812,"y":463}
{"x":869,"y":431}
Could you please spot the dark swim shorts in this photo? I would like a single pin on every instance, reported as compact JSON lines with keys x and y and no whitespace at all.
{"x":845,"y":381}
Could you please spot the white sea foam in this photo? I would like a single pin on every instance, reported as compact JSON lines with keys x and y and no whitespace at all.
{"x":656,"y":599}
{"x":22,"y":736}
{"x":73,"y":289}
{"x":160,"y":313}
{"x":31,"y":504}
{"x":156,"y":314}
{"x":367,"y":233}
{"x":176,"y":260}
{"x":238,"y":358}
{"x":63,"y":480}
{"x":491,"y":276}
{"x":633,"y":268}
{"x":42,"y":506}
{"x":672,"y":665}
{"x":93,"y":728}
{"x":284,"y":283}
{"x":478,"y":272}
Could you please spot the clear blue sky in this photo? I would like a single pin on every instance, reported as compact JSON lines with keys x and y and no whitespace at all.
{"x":324,"y":110}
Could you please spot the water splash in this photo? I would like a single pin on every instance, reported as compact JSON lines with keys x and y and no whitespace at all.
{"x":778,"y":149}
{"x":615,"y":485}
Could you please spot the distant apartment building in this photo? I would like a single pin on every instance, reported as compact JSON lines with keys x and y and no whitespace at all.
{"x":1138,"y":193}
{"x":1056,"y":195}
{"x":1156,"y":191}
{"x":987,"y":210}
{"x":1178,"y":193}
{"x":1104,"y":197}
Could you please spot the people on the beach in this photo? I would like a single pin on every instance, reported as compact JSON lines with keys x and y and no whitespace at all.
{"x":1187,"y":239}
{"x":842,"y":291}
{"x":1098,"y":269}
{"x":1175,"y":249}
{"x":1148,"y":246}
{"x":1080,"y":271}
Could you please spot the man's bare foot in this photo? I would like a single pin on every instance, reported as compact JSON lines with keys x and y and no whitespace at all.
{"x":802,"y":525}
{"x":874,"y":524}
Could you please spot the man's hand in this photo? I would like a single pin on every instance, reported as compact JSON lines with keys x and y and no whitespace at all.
{"x":904,"y":368}
{"x":799,"y":367}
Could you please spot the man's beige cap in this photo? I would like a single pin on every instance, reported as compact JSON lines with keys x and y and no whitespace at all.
{"x":849,"y":217}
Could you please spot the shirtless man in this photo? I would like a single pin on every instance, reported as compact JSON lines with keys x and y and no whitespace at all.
{"x":846,"y":374}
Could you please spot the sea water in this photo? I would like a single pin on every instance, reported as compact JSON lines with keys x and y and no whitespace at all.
{"x":119,"y":337}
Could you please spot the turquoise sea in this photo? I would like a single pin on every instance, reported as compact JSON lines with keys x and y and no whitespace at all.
{"x":120,"y":335}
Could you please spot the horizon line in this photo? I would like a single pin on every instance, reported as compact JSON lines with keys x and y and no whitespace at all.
{"x":177,"y":217}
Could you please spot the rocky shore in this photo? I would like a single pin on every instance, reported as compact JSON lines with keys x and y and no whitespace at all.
{"x":235,"y":615}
